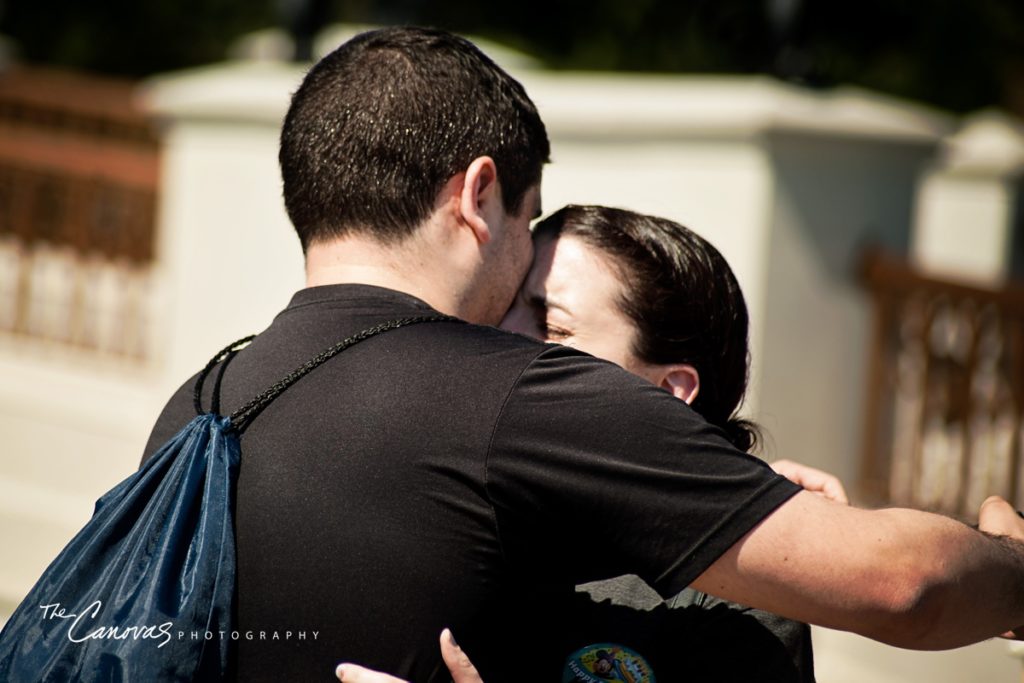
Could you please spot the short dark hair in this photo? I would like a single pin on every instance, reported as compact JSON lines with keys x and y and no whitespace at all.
{"x":382,"y":123}
{"x":683,"y":299}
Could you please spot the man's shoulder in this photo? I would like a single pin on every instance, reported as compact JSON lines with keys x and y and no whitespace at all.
{"x":534,"y":363}
{"x":330,"y":312}
{"x":456,"y":358}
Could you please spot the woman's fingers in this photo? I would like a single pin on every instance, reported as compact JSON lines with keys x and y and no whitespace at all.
{"x":813,"y":480}
{"x":999,"y":517}
{"x":461,"y":668}
{"x":353,"y":673}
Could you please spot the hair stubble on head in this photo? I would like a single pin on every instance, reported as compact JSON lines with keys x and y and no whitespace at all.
{"x":381,"y":124}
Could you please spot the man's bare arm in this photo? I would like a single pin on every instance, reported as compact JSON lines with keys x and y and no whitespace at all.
{"x":903,"y":577}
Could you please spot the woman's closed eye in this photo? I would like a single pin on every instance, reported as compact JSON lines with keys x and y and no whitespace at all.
{"x":554,"y":332}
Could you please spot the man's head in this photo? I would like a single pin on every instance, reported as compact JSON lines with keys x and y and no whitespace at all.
{"x":380,"y":125}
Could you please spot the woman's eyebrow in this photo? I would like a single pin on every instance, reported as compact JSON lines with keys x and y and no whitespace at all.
{"x":542,"y":302}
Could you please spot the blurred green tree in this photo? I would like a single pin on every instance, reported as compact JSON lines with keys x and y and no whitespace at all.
{"x":956,"y":54}
{"x":128,"y":37}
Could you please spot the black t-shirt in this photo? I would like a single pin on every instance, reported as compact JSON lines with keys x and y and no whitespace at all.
{"x":455,"y":475}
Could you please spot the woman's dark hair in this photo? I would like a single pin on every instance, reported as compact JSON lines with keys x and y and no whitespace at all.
{"x":682,"y":297}
{"x":382,"y":123}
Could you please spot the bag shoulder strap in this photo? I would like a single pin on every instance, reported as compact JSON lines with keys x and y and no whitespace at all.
{"x":241,"y":418}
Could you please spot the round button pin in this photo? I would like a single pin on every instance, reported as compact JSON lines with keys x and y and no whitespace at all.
{"x":604,"y":662}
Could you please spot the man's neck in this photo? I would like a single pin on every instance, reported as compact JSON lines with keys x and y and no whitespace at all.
{"x":402,"y":267}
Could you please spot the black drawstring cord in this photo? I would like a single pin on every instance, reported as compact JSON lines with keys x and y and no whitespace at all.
{"x":228,"y":351}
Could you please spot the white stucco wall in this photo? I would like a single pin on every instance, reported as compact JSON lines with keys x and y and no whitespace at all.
{"x":968,"y":199}
{"x":229,"y":258}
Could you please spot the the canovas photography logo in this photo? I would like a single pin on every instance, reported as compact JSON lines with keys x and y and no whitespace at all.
{"x":84,"y":625}
{"x":87,"y":625}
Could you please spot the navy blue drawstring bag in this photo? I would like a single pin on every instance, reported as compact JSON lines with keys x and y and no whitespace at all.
{"x":145,"y":591}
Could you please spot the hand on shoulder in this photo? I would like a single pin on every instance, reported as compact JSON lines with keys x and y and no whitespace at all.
{"x":814,"y":480}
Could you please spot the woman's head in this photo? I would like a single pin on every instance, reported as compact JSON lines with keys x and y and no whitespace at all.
{"x":648,"y":294}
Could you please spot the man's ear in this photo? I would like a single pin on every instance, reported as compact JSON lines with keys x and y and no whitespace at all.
{"x":479,"y":197}
{"x":682,"y":381}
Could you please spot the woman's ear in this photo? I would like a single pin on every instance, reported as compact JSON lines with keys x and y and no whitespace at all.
{"x":479,"y":196}
{"x":682,"y":381}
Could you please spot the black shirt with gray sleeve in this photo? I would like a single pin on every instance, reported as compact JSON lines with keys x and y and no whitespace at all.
{"x":455,"y":475}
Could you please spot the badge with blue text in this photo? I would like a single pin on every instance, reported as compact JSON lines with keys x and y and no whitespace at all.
{"x":606,"y":662}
